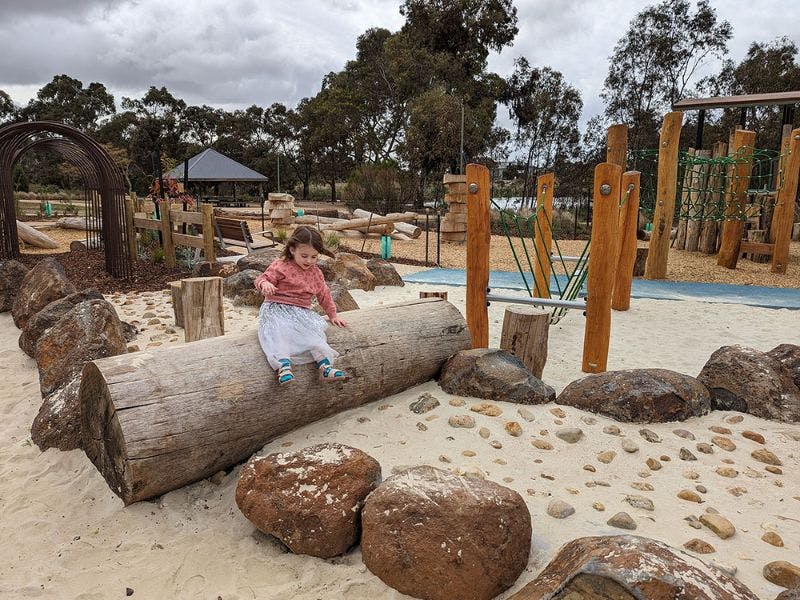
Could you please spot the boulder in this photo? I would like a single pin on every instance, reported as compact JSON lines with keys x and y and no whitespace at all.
{"x":50,"y":315}
{"x":789,"y":356}
{"x":384,"y":272}
{"x":207,"y":268}
{"x":751,"y":381}
{"x":12,"y":272}
{"x":259,"y":260}
{"x":495,"y":375}
{"x":431,"y":534}
{"x":792,"y":594}
{"x":310,"y":500}
{"x":782,"y":573}
{"x":341,"y":298}
{"x":628,"y":567}
{"x":639,"y":395}
{"x":129,"y":331}
{"x":349,"y":270}
{"x":43,"y":284}
{"x":58,"y":424}
{"x":77,"y":246}
{"x":239,"y":287}
{"x":89,"y":331}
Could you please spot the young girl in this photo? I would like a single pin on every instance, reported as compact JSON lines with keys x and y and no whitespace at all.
{"x":289,"y":331}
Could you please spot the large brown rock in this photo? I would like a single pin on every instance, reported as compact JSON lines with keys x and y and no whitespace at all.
{"x":12,"y":272}
{"x":789,"y":356}
{"x":349,"y":270}
{"x":792,"y":594}
{"x":89,"y":331}
{"x":239,"y":287}
{"x":639,"y":395}
{"x":495,"y":375}
{"x":43,"y":284}
{"x":49,"y":316}
{"x":259,"y":260}
{"x":310,"y":500}
{"x":341,"y":298}
{"x":215,"y":268}
{"x":751,"y":381}
{"x":58,"y":423}
{"x":431,"y":534}
{"x":627,"y":567}
{"x":384,"y":272}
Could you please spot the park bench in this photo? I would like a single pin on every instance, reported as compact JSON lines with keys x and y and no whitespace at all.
{"x":235,"y":232}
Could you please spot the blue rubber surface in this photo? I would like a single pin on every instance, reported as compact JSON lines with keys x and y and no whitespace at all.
{"x":749,"y":295}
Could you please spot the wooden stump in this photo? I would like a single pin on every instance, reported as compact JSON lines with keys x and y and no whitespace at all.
{"x":796,"y":232}
{"x":757,"y":235}
{"x":159,"y":419}
{"x":641,"y":261}
{"x":442,"y":295}
{"x":177,"y":302}
{"x":525,"y":334}
{"x":201,"y":304}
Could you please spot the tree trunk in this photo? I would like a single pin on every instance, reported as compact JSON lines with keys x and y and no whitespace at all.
{"x":525,"y":333}
{"x":157,"y":420}
{"x":201,"y":305}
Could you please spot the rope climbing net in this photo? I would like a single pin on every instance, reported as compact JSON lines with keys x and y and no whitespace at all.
{"x":707,"y":185}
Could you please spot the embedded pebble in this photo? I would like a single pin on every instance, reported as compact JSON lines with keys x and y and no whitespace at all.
{"x":487,"y":409}
{"x":765,"y":456}
{"x":558,"y":412}
{"x":650,"y":436}
{"x":611,"y":430}
{"x":737,"y":491}
{"x":526,"y":414}
{"x":589,"y":420}
{"x":724,"y":443}
{"x":148,"y":314}
{"x":496,"y":444}
{"x":689,"y":496}
{"x":686,"y":454}
{"x":665,"y":458}
{"x":606,"y":457}
{"x":622,"y":520}
{"x":508,"y":479}
{"x":513,"y":428}
{"x":422,"y":426}
{"x":653,"y":464}
{"x":718,"y":524}
{"x":683,"y":433}
{"x":430,"y":418}
{"x":720,"y":430}
{"x":733,"y":419}
{"x":558,"y":509}
{"x":589,"y":468}
{"x":500,"y":461}
{"x":445,"y":459}
{"x":774,"y":470}
{"x":637,"y":501}
{"x":598,"y":506}
{"x":542,"y":444}
{"x":363,"y":419}
{"x":133,"y":348}
{"x":426,"y":402}
{"x":642,"y":486}
{"x":701,"y":488}
{"x":689,"y":474}
{"x":727,"y":472}
{"x":558,"y":421}
{"x":569,"y":434}
{"x":699,"y":546}
{"x":705,"y":448}
{"x":693,"y":522}
{"x":544,"y":432}
{"x":753,"y":436}
{"x":782,"y":573}
{"x":468,"y":453}
{"x":629,"y":445}
{"x":456,"y":402}
{"x":773,"y":538}
{"x":484,"y":433}
{"x":462,"y":421}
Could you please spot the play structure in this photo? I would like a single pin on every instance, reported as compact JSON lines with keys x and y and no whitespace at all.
{"x":156,"y":420}
{"x":714,"y":194}
{"x":605,"y":265}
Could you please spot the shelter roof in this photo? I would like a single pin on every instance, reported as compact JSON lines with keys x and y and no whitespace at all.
{"x":738,"y":101}
{"x":210,"y":165}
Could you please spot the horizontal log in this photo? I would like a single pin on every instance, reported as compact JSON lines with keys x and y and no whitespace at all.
{"x":33,"y":237}
{"x":142,"y":223}
{"x":399,"y":218}
{"x":185,"y":216}
{"x":156,"y":420}
{"x":756,"y":248}
{"x":77,"y":223}
{"x":380,"y":229}
{"x":315,"y":220}
{"x":193,"y":241}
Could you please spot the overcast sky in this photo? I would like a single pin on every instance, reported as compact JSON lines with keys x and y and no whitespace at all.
{"x":234,"y":53}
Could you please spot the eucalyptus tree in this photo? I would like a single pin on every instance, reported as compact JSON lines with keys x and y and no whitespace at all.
{"x":66,"y":100}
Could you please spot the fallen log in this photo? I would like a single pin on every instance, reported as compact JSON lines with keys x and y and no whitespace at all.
{"x":314,"y":220}
{"x":399,"y":218}
{"x":34,"y":237}
{"x":156,"y":420}
{"x":380,"y":229}
{"x":80,"y":223}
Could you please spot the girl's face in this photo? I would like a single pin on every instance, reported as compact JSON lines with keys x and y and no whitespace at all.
{"x":305,"y":256}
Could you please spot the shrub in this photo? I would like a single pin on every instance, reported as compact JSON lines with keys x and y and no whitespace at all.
{"x":280,"y":235}
{"x":332,"y":240}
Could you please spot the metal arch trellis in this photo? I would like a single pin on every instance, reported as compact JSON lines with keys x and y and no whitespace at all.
{"x":104,"y":188}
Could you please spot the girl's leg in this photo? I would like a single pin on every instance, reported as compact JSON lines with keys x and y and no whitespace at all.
{"x":285,"y":374}
{"x":327,"y":372}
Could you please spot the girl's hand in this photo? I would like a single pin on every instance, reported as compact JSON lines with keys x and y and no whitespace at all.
{"x":266,"y":288}
{"x":339,"y":322}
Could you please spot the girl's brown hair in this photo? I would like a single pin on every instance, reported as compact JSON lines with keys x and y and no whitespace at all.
{"x":305,"y":235}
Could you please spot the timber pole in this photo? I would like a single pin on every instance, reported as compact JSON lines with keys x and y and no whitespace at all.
{"x":783,"y":216}
{"x":623,"y":276}
{"x":733,"y":227}
{"x":543,"y":240}
{"x":478,"y":238}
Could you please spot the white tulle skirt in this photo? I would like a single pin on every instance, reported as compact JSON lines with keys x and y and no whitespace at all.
{"x":293,"y":332}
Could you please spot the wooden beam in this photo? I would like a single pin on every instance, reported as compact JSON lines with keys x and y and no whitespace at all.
{"x":623,"y":276}
{"x":771,"y":99}
{"x":543,"y":240}
{"x":478,"y":238}
{"x":783,"y":217}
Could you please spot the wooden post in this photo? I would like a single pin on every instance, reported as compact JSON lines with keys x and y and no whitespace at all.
{"x":478,"y":237}
{"x":442,"y":295}
{"x":167,"y":245}
{"x":783,"y":216}
{"x":201,"y":301}
{"x":208,"y":232}
{"x":796,"y":232}
{"x":130,"y":205}
{"x":716,"y":179}
{"x":685,"y":194}
{"x":733,"y":228}
{"x":617,"y":145}
{"x":175,"y":289}
{"x":602,"y":264}
{"x":697,"y":201}
{"x":623,"y":276}
{"x":543,"y":240}
{"x":664,"y":214}
{"x":525,"y":332}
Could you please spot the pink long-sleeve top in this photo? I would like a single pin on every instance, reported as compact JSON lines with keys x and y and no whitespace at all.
{"x":297,"y":286}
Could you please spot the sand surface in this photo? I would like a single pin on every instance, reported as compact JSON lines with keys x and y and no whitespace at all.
{"x":66,"y":535}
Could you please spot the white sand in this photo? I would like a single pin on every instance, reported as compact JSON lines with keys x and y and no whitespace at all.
{"x":66,"y":535}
